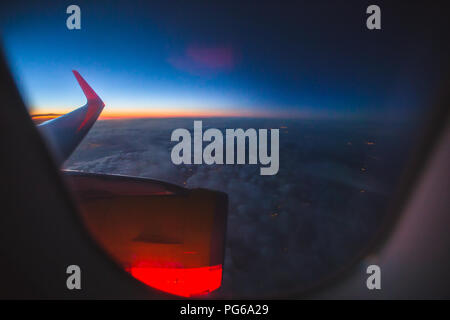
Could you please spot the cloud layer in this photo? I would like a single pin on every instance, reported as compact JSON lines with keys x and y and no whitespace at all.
{"x":285,"y":232}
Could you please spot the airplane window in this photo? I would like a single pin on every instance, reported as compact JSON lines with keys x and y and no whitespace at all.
{"x":329,"y":115}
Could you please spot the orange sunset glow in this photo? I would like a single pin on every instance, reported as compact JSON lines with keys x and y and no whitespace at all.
{"x":40,"y":115}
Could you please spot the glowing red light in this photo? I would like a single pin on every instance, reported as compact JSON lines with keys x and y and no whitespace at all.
{"x":185,"y":282}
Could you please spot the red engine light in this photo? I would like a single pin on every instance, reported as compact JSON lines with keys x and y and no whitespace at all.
{"x":185,"y":282}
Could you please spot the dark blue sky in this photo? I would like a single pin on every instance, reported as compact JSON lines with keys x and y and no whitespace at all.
{"x":312,"y":58}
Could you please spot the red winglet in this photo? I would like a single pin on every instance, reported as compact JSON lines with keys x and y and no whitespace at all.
{"x":94,"y":101}
{"x":88,"y":91}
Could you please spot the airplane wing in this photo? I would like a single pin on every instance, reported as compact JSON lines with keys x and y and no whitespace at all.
{"x":167,"y":236}
{"x":66,"y":132}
